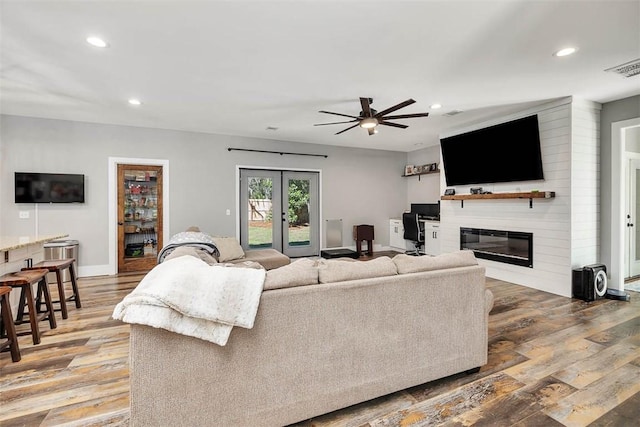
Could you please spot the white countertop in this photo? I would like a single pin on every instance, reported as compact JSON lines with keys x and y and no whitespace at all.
{"x":14,"y":242}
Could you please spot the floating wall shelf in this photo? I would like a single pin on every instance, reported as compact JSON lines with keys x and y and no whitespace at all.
{"x":525,"y":195}
{"x":421,"y":173}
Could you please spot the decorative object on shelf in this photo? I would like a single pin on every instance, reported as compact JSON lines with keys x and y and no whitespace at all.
{"x":130,"y":229}
{"x":418,"y":171}
{"x":433,"y":167}
{"x":476,"y":190}
{"x":449,"y":191}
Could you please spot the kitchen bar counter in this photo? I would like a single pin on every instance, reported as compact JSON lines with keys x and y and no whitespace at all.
{"x":8,"y":243}
{"x":14,"y":253}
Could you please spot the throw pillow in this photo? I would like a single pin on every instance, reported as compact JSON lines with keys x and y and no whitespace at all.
{"x":335,"y":270}
{"x":229,"y":248}
{"x":415,"y":264}
{"x":300,"y":272}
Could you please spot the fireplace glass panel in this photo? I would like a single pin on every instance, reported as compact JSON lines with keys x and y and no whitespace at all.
{"x":511,"y":247}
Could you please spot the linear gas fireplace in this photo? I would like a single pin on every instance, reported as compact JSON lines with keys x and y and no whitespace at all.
{"x":511,"y":247}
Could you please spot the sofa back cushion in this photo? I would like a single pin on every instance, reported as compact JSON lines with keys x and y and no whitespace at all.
{"x":336,"y":270}
{"x":414,"y":264}
{"x":300,"y":272}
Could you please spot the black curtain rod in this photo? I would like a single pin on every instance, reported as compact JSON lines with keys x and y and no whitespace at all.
{"x":277,"y":152}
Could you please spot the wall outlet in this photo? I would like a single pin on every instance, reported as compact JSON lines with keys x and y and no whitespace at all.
{"x":228,"y":212}
{"x":24,"y":214}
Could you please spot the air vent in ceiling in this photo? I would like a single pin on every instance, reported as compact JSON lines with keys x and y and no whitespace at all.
{"x":628,"y":69}
{"x":452,"y":113}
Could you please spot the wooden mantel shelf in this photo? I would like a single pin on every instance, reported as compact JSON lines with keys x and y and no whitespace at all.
{"x":522,"y":195}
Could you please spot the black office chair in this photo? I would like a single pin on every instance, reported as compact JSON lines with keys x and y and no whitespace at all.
{"x":414,"y":231}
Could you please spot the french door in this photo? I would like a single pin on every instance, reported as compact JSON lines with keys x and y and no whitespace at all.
{"x":632,"y":235}
{"x":280,"y":210}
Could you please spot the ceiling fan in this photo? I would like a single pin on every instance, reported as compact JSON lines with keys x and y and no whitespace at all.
{"x":369,"y":118}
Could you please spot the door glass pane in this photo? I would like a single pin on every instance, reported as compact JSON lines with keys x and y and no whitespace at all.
{"x":298,"y":212}
{"x":260,"y":212}
{"x":636,"y":228}
{"x":140,"y":213}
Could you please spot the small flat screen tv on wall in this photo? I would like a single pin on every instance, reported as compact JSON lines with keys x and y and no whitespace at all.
{"x":49,"y":188}
{"x":505,"y":152}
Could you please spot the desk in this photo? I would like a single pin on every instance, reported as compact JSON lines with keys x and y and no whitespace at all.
{"x":14,"y":251}
{"x":396,"y":235}
{"x":431,"y":236}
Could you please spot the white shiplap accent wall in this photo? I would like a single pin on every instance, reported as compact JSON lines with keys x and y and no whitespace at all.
{"x":550,"y":220}
{"x":585,"y":184}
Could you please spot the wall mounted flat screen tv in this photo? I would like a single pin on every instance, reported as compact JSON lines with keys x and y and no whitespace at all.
{"x":502,"y":153}
{"x":49,"y":188}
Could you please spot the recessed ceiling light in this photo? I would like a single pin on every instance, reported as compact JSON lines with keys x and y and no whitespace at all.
{"x":134,"y":101}
{"x":97,"y":41}
{"x":566,"y":51}
{"x":435,"y":106}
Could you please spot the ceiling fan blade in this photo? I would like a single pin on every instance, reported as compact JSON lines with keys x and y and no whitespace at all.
{"x":406,"y":116}
{"x":395,"y":125}
{"x":366,"y":107}
{"x":344,"y":130}
{"x":394,"y":108}
{"x":372,"y":131}
{"x":339,"y":114}
{"x":335,"y":123}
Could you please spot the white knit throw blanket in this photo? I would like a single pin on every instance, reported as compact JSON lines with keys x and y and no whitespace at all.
{"x":187,"y":296}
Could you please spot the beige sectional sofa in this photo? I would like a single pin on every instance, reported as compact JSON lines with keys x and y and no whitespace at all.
{"x":228,"y":251}
{"x":328,"y":334}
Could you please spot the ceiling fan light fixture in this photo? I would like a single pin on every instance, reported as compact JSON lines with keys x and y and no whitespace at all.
{"x":368,"y":123}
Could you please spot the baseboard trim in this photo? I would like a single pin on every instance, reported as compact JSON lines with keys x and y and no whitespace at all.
{"x":94,"y":270}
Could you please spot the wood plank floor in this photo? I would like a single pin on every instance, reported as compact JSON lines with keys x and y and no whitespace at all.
{"x":552,"y":361}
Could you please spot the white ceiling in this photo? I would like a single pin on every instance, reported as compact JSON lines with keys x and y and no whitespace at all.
{"x":239,"y":67}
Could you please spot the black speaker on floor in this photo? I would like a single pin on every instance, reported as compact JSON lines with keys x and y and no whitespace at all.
{"x":589,"y":283}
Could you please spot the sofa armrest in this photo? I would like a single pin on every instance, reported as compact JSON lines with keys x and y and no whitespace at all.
{"x":488,"y":301}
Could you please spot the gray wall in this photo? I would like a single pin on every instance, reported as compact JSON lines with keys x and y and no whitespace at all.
{"x":427,"y":188}
{"x":358,"y":186}
{"x":615,"y":111}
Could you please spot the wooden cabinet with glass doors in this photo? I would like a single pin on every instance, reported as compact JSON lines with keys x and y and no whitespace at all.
{"x":139,"y":216}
